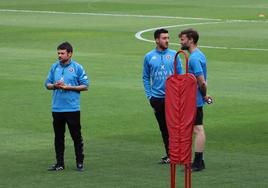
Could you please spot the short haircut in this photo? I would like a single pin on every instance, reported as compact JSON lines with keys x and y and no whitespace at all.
{"x":190,"y":34}
{"x":65,"y":46}
{"x":158,"y":32}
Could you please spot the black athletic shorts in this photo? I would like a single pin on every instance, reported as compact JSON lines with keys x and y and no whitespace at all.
{"x":199,"y":116}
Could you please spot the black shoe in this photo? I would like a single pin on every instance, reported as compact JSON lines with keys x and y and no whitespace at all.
{"x":56,"y":167}
{"x":80,"y":167}
{"x":164,"y":160}
{"x":196,"y":167}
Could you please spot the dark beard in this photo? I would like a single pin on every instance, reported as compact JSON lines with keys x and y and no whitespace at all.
{"x":62,"y":61}
{"x":185,"y":47}
{"x":163,"y":48}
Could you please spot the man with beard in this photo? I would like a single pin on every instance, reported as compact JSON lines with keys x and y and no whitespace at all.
{"x":66,"y":78}
{"x":197,"y":66}
{"x":158,"y":66}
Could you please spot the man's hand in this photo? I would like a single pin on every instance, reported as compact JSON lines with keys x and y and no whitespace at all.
{"x":71,"y":88}
{"x":208,"y":99}
{"x":58,"y":84}
{"x":65,"y":87}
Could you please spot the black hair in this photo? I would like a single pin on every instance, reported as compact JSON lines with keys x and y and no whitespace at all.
{"x":65,"y":46}
{"x":190,"y":34}
{"x":158,"y":32}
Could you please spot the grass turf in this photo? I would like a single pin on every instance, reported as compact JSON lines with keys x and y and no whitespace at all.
{"x":122,"y":141}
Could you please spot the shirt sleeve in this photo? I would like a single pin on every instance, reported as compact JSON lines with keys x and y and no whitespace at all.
{"x":196,"y":66}
{"x":82,"y":76}
{"x":50,"y":77}
{"x":179,"y":65}
{"x":146,"y":78}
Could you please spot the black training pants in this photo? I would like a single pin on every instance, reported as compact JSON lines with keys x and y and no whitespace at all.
{"x":158,"y":104}
{"x":73,"y":121}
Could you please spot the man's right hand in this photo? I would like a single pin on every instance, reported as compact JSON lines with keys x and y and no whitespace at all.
{"x":58,"y":84}
{"x":208,"y":99}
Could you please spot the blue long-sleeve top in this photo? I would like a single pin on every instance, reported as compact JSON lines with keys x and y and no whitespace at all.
{"x":71,"y":74}
{"x":157,"y":67}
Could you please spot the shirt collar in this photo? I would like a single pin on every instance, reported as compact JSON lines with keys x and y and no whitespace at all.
{"x":63,"y":65}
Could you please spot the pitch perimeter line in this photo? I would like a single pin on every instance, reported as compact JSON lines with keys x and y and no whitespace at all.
{"x":105,"y":14}
{"x":138,"y":35}
{"x":123,"y":15}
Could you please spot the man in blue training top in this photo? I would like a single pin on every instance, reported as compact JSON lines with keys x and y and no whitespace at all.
{"x":66,"y":78}
{"x":158,"y":66}
{"x":197,"y":66}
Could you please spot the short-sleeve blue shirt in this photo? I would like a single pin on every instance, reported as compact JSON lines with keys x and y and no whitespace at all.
{"x":198,"y":66}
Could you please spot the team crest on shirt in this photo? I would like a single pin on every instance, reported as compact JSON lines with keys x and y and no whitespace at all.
{"x":168,"y":57}
{"x":71,"y":69}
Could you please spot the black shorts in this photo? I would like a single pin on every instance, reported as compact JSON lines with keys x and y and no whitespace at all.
{"x":199,"y":116}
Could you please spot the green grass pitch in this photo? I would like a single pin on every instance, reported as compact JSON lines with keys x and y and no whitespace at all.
{"x":122,"y":140}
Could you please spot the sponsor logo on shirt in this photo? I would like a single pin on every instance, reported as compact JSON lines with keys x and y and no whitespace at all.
{"x":162,"y":73}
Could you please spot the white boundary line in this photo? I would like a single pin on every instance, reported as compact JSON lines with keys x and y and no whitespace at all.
{"x":105,"y":14}
{"x":138,"y":34}
{"x":123,"y":15}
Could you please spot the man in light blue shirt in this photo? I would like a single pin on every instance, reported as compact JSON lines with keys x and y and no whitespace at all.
{"x":197,"y":66}
{"x":158,"y":66}
{"x":67,"y":79}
